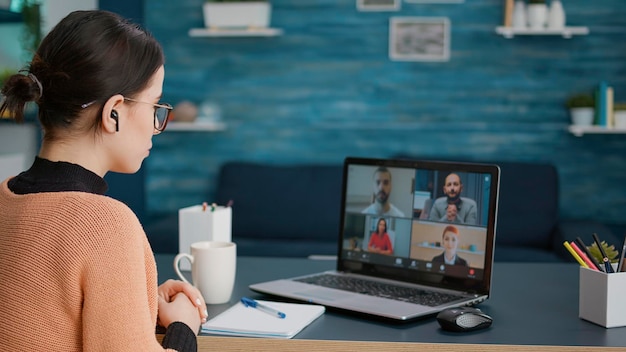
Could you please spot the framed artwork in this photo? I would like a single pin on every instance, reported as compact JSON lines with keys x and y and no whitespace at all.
{"x":378,"y":5}
{"x":419,"y":38}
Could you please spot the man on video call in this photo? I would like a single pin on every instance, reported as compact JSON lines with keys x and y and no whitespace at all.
{"x":465,"y":207}
{"x":382,"y":190}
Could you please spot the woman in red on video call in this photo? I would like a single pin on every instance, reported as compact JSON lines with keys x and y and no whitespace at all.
{"x":379,"y":239}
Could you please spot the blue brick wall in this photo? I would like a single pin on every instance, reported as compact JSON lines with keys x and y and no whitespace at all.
{"x":326,"y":89}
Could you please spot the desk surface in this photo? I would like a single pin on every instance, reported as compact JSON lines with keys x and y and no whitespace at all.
{"x":531,"y":304}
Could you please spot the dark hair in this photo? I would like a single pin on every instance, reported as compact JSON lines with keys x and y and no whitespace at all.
{"x":87,"y":57}
{"x":453,"y":204}
{"x":378,"y":222}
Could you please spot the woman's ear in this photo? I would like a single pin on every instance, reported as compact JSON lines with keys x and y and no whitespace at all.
{"x":111,"y":114}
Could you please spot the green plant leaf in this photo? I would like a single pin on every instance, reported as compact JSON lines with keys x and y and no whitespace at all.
{"x":610,"y":251}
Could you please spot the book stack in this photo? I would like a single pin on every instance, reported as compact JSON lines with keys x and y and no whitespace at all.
{"x":508,"y":13}
{"x":604,"y":106}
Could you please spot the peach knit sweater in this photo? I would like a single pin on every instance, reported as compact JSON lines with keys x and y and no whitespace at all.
{"x":81,"y":280}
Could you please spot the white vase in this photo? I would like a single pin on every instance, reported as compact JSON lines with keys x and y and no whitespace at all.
{"x":582,"y":116}
{"x":237,"y":14}
{"x":556,"y":17}
{"x":519,"y":14}
{"x":537,"y":15}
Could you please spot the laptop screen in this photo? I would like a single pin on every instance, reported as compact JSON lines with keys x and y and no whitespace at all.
{"x":419,"y":221}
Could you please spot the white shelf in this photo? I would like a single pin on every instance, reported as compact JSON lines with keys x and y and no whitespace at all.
{"x":567,"y":32}
{"x":579,"y":131}
{"x":195,"y":126}
{"x":238,"y":32}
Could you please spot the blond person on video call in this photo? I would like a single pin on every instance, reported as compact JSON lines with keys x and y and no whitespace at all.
{"x":466,"y":208}
{"x":450,"y":241}
{"x":78,"y":273}
{"x":382,"y":191}
{"x":379,"y":240}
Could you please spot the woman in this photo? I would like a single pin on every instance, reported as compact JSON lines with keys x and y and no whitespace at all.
{"x":379,"y":240}
{"x":78,"y":272}
{"x":450,"y":239}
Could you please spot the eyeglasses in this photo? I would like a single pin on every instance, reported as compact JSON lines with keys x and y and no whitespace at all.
{"x":161,"y":113}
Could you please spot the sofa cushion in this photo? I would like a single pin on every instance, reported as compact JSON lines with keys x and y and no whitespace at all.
{"x":278,"y":201}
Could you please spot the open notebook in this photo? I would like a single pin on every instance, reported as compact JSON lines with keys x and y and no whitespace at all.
{"x":413,"y":267}
{"x":240,"y":320}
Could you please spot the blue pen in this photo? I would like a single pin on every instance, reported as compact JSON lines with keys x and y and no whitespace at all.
{"x":249,"y":302}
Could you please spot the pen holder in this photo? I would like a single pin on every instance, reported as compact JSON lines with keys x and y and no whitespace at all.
{"x":601,"y":298}
{"x":202,"y":223}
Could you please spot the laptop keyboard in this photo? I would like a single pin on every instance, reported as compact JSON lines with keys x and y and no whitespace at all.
{"x":383,"y":290}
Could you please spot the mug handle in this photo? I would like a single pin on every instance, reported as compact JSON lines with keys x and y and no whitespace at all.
{"x":177,"y":260}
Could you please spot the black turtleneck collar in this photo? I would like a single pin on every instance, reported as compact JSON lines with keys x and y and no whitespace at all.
{"x":60,"y":176}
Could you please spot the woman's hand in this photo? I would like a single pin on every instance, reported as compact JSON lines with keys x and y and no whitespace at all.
{"x":181,"y":309}
{"x":171,"y":288}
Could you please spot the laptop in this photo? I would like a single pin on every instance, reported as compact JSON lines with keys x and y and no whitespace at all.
{"x":416,"y":257}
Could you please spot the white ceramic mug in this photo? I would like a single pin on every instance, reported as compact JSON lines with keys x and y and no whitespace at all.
{"x":213,"y":268}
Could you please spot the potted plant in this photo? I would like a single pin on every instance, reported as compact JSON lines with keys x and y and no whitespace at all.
{"x":31,"y":14}
{"x":537,"y":14}
{"x":231,"y":14}
{"x":581,"y":107}
{"x":609,"y":250}
{"x":4,"y":75}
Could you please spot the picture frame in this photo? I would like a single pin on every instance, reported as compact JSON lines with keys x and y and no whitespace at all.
{"x":378,"y":5}
{"x":419,"y":38}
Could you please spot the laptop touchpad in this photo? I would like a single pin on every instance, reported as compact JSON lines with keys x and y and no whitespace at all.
{"x":324,"y":294}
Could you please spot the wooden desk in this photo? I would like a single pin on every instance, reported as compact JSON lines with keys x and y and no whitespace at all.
{"x":227,"y":344}
{"x":533,"y":306}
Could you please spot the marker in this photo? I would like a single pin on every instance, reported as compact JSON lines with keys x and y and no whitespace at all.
{"x":620,"y":264}
{"x":605,"y":258}
{"x":583,"y":256}
{"x":249,"y":302}
{"x":583,"y":247}
{"x":575,"y":255}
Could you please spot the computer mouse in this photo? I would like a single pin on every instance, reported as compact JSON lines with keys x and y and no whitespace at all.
{"x":463,"y":319}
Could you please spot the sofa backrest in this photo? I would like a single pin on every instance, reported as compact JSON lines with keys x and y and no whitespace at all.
{"x":280,"y":201}
{"x":302,"y":201}
{"x":528,"y":209}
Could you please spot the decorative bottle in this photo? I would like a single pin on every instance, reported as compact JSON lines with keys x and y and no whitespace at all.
{"x":537,"y":14}
{"x":556,"y":18}
{"x":519,"y":14}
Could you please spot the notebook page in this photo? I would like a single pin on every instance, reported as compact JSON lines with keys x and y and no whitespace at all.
{"x":240,"y":320}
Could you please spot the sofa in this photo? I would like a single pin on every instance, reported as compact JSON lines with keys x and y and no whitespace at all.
{"x":293,"y":211}
{"x":278,"y":210}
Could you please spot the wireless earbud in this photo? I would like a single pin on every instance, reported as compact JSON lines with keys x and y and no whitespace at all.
{"x":115,"y":117}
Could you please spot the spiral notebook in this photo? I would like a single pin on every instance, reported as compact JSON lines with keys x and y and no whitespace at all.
{"x":240,"y":320}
